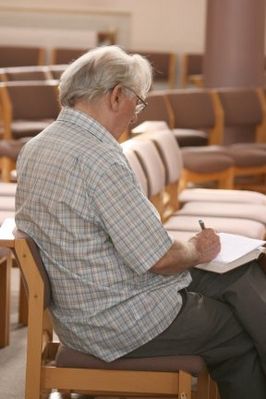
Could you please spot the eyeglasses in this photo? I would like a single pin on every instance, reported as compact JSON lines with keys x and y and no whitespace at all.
{"x":141,"y":104}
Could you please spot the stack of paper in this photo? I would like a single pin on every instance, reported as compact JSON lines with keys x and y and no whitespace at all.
{"x":235,"y":251}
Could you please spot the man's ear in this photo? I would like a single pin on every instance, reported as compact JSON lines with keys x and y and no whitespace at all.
{"x":116,"y":98}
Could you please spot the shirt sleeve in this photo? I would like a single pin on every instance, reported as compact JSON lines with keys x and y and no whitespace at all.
{"x":130,"y":219}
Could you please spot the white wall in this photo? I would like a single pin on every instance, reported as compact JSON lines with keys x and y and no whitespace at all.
{"x":172,"y":25}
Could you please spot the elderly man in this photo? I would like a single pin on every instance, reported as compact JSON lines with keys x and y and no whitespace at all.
{"x":121,"y":286}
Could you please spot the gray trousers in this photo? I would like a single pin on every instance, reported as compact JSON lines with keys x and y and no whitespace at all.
{"x":223,"y":319}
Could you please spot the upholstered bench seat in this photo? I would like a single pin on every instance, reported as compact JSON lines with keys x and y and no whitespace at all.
{"x":7,"y":203}
{"x":205,"y":160}
{"x":7,"y":189}
{"x":67,"y":357}
{"x":245,"y":157}
{"x":190,"y":137}
{"x":4,"y":214}
{"x":208,"y":194}
{"x":240,"y":156}
{"x":255,"y":212}
{"x":251,"y":146}
{"x":233,"y":225}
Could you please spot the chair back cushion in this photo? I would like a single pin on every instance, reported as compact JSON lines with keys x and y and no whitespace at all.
{"x":192,"y":109}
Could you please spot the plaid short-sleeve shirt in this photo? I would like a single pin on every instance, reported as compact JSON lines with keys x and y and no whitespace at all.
{"x":98,"y":235}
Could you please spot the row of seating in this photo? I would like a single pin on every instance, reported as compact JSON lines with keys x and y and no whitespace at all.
{"x":197,"y":117}
{"x":219,"y":124}
{"x":164,"y":63}
{"x":192,"y":69}
{"x":26,"y":108}
{"x":155,"y":159}
{"x":36,"y":72}
{"x":7,"y":209}
{"x":19,"y":55}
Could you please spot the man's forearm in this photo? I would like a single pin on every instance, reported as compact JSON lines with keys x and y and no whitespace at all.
{"x":180,"y":257}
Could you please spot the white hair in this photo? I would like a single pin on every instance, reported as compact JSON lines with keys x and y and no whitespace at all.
{"x":100,"y":70}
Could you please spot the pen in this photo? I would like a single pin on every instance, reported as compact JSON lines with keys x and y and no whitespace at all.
{"x":202,"y":225}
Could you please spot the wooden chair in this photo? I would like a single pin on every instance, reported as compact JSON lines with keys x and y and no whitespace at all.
{"x":164,"y":66}
{"x":192,"y":70}
{"x":5,"y":267}
{"x":21,"y":56}
{"x":246,"y":211}
{"x":202,"y":108}
{"x":197,"y":109}
{"x":159,"y":109}
{"x":243,"y":133}
{"x":53,"y":366}
{"x":188,"y":113}
{"x":7,"y":209}
{"x":27,"y":108}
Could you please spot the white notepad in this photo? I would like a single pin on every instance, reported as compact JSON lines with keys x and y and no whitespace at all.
{"x":235,"y":251}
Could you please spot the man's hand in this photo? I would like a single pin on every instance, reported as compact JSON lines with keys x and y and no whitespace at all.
{"x":201,"y":248}
{"x":207,"y":244}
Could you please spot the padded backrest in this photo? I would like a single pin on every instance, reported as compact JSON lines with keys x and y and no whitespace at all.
{"x":170,"y":153}
{"x":192,"y":108}
{"x":161,"y":61}
{"x":194,"y":63}
{"x":151,"y":163}
{"x":241,"y":106}
{"x":19,"y":56}
{"x":33,"y":100}
{"x":136,"y":167}
{"x":156,"y":109}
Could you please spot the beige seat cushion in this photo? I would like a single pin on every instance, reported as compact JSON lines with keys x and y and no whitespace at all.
{"x":205,"y":161}
{"x":255,"y":212}
{"x":190,"y":137}
{"x":214,"y":195}
{"x":4,"y":214}
{"x":7,"y":189}
{"x":232,"y":225}
{"x":7,"y":203}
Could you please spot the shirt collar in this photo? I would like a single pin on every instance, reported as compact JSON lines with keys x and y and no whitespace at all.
{"x":87,"y":123}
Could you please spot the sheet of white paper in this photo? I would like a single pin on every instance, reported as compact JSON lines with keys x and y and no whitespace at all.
{"x":234,"y":246}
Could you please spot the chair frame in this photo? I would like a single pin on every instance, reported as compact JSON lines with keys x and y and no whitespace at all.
{"x":42,"y":375}
{"x":5,"y":267}
{"x":8,"y":164}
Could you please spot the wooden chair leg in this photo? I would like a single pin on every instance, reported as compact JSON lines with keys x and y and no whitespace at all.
{"x":23,"y":305}
{"x":5,"y":268}
{"x":185,"y":383}
{"x":203,"y":386}
{"x":214,"y":394}
{"x":7,"y":165}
